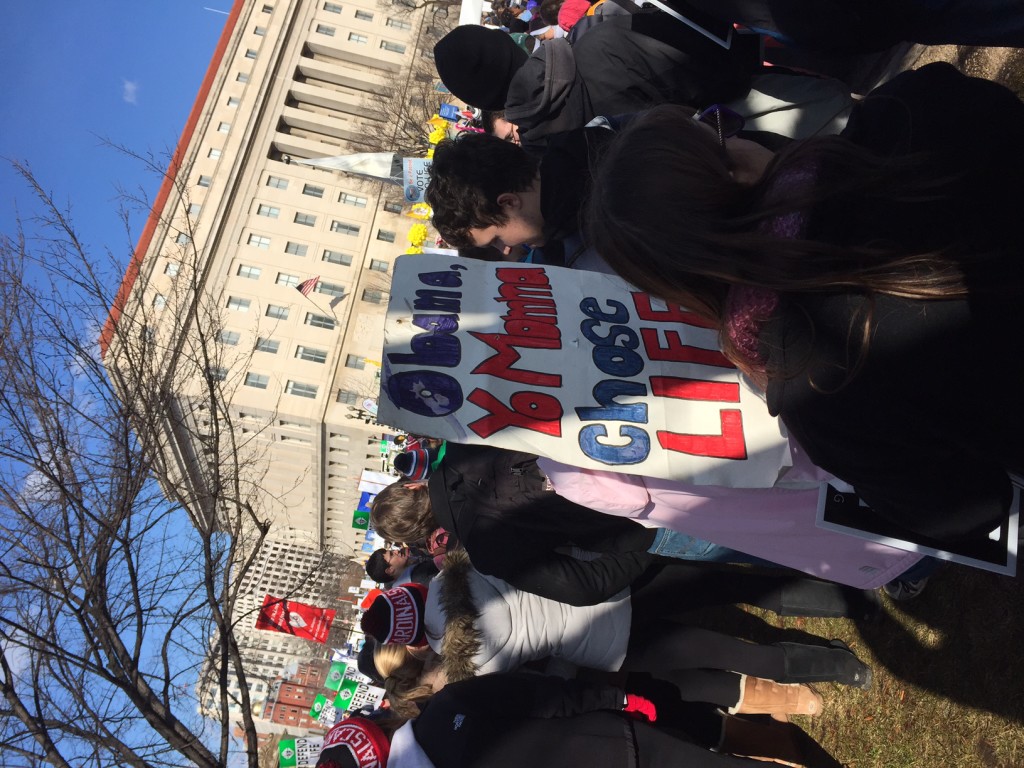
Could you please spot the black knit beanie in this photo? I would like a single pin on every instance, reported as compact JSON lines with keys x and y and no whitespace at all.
{"x":477,"y":64}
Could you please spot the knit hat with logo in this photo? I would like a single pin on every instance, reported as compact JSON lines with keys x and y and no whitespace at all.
{"x":396,"y":616}
{"x":354,"y":743}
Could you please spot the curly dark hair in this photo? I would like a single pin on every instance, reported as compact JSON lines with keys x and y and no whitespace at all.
{"x":467,"y":176}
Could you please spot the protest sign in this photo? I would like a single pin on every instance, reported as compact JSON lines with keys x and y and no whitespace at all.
{"x":299,"y":751}
{"x":306,"y":621}
{"x":574,"y":365}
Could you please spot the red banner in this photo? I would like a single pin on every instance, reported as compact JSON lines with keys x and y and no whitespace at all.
{"x":292,"y":618}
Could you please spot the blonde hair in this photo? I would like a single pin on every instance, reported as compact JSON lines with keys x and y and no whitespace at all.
{"x":403,"y":670}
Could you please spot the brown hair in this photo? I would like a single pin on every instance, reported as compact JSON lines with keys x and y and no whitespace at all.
{"x":666,"y":213}
{"x":401,"y":513}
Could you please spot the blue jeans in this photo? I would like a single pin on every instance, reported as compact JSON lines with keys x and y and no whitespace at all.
{"x":669,"y":543}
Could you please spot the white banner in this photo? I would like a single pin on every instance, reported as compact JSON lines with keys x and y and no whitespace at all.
{"x":573,"y":365}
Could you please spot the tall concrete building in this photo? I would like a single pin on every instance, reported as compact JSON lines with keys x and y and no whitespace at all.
{"x":240,"y":226}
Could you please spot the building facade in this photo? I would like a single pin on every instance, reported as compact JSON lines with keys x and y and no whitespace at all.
{"x":239,"y":227}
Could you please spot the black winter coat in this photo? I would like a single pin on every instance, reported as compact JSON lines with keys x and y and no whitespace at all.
{"x":927,"y":426}
{"x":496,"y":502}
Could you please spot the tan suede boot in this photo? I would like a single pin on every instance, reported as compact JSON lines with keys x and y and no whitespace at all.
{"x":766,"y":697}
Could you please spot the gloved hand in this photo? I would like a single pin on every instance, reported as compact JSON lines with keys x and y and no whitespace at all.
{"x":640,"y":708}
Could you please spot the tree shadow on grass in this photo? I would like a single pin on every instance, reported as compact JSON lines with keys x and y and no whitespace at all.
{"x":962,"y":641}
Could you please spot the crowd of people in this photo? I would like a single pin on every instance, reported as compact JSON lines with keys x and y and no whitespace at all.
{"x":858,"y":259}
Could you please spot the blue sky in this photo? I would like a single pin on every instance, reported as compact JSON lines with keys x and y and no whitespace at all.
{"x":74,"y":73}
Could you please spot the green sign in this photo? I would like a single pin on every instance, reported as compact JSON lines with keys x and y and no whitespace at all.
{"x":335,"y":675}
{"x":361,"y":520}
{"x":345,"y":693}
{"x":318,"y":704}
{"x":286,"y":754}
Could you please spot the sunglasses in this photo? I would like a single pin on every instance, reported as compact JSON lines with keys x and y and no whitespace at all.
{"x":723,"y":120}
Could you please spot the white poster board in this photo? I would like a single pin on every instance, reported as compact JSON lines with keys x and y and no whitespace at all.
{"x":578,"y":366}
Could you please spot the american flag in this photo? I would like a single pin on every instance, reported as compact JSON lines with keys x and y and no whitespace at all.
{"x":306,"y":286}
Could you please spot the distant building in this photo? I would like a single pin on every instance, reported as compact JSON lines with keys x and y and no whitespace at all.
{"x":238,"y":226}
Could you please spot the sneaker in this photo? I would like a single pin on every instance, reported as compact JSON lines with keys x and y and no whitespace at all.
{"x":901,"y":591}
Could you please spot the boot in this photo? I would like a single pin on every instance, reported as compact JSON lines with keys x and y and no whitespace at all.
{"x":813,"y":663}
{"x":766,"y":697}
{"x":773,"y":742}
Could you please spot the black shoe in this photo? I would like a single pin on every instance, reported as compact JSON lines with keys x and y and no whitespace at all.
{"x":833,"y":663}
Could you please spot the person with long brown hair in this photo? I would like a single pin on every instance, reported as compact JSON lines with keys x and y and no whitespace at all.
{"x":871,"y":282}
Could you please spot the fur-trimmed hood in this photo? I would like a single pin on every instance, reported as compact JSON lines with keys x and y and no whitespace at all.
{"x":460,"y":643}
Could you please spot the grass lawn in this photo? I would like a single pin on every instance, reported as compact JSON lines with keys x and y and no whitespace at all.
{"x":948,"y":686}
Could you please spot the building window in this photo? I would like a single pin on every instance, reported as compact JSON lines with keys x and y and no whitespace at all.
{"x":277,"y":182}
{"x":267,"y":345}
{"x":330,"y":289}
{"x":336,"y":257}
{"x":268,"y":9}
{"x":354,"y":37}
{"x":372,"y":295}
{"x":311,"y":354}
{"x":398,"y":23}
{"x":305,"y":219}
{"x":392,"y":207}
{"x":277,"y":312}
{"x":205,"y":181}
{"x":229,"y":338}
{"x":347,"y":397}
{"x":296,"y":249}
{"x":250,"y":273}
{"x":259,"y":31}
{"x":364,"y":15}
{"x":355,"y":361}
{"x":159,"y":301}
{"x":270,"y":211}
{"x":320,"y":321}
{"x":393,"y":47}
{"x":237,"y":304}
{"x":299,"y":389}
{"x":233,"y":101}
{"x":344,"y":229}
{"x":218,"y":373}
{"x":356,"y":200}
{"x":312,"y":190}
{"x":323,"y":29}
{"x":241,"y":77}
{"x":259,"y":241}
{"x":332,"y":7}
{"x":172,"y":268}
{"x":214,"y":153}
{"x":291,"y":281}
{"x":386,"y":235}
{"x":427,"y":52}
{"x":251,"y":53}
{"x":377,"y":265}
{"x":257,"y":380}
{"x":182,"y":239}
{"x":223,"y":127}
{"x":194,"y":209}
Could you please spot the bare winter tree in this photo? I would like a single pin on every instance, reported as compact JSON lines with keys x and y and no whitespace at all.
{"x":120,"y":558}
{"x":413,"y":97}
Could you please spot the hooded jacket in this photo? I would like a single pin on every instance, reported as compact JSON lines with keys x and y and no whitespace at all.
{"x":620,"y":66}
{"x":480,"y":624}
